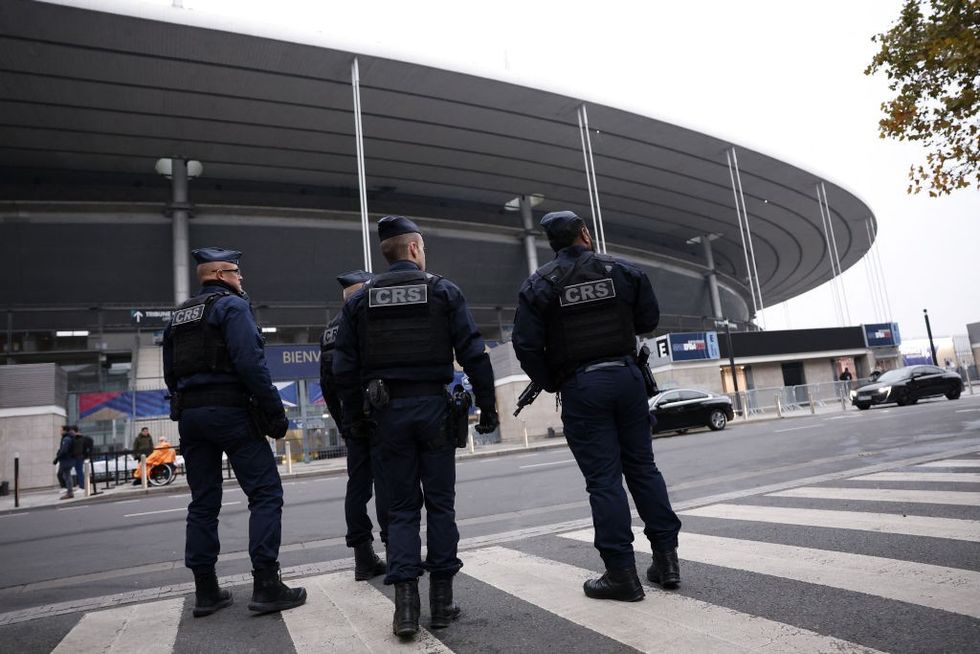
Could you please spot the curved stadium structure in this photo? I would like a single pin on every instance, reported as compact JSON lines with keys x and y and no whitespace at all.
{"x":92,"y":99}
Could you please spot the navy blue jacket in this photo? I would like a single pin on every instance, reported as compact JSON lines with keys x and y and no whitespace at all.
{"x":466,"y":340}
{"x":538,"y":295}
{"x":66,"y":447}
{"x":233,"y":314}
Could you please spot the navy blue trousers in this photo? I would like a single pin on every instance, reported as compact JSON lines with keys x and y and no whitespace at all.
{"x":363,"y":472}
{"x":205,"y":433}
{"x":607,"y":426}
{"x":418,"y":467}
{"x":80,"y":472}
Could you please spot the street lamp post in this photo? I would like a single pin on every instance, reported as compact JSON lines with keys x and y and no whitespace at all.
{"x":731,"y":360}
{"x":932,"y":346}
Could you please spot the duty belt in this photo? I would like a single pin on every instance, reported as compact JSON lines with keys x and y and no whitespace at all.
{"x":615,"y":363}
{"x":198,"y":396}
{"x":400,"y":389}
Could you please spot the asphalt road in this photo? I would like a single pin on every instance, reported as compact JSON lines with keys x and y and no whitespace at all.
{"x":60,"y":565}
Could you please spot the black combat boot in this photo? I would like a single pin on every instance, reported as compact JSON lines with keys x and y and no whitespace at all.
{"x":208,"y":598}
{"x":622,"y":585}
{"x":407,"y":609}
{"x":367,"y":564}
{"x":665,"y":569}
{"x":269,"y":594}
{"x":441,"y":606}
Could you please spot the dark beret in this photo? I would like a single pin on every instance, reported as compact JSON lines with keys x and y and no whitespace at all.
{"x":348,"y":279}
{"x":390,"y":226}
{"x":212,"y":254}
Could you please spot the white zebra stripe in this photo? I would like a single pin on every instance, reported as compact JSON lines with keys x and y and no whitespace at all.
{"x":341,"y":615}
{"x":915,"y":477}
{"x":958,"y":498}
{"x":146,"y":628}
{"x":663,"y":622}
{"x":937,"y":587}
{"x":888,"y":523}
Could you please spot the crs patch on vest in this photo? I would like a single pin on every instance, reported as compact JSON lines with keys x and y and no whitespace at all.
{"x":393,"y":296}
{"x":189,"y":314}
{"x":600,"y":289}
{"x":330,"y":335}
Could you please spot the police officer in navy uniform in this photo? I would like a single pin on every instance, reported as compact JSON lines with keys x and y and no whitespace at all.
{"x":214,"y":365}
{"x":396,"y":343}
{"x":362,"y":458}
{"x":575,"y":334}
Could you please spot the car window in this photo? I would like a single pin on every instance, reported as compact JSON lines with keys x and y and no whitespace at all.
{"x":894,"y":375}
{"x":664,"y":398}
{"x":693,"y":395}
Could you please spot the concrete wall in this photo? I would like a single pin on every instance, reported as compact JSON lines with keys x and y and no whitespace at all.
{"x":35,"y":438}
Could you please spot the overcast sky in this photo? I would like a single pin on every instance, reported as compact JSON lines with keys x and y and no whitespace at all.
{"x":785,"y":78}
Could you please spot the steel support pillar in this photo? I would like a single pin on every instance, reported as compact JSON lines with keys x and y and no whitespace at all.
{"x":530,"y":243}
{"x":180,"y":213}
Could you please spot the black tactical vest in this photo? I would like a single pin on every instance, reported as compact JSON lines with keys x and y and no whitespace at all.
{"x":328,"y":343}
{"x":402,"y":324}
{"x":198,"y":346}
{"x":589,"y":322}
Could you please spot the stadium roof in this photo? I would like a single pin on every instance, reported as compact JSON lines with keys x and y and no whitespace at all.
{"x":90,"y":93}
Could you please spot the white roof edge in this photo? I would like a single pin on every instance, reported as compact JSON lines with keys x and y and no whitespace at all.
{"x":206,"y":20}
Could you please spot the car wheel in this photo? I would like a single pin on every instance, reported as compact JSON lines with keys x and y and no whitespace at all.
{"x":902,"y":398}
{"x":717,"y":420}
{"x":863,"y":406}
{"x":953,"y":395}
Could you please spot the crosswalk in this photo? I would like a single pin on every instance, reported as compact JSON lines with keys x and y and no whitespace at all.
{"x":882,"y":562}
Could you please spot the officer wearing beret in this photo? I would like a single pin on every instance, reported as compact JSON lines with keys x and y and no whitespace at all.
{"x":214,"y":366}
{"x":362,"y":458}
{"x":396,"y":343}
{"x":575,"y":334}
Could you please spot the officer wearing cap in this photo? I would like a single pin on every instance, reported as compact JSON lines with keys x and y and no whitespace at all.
{"x":396,"y":343}
{"x":575,"y":334}
{"x":214,"y":366}
{"x":362,"y":457}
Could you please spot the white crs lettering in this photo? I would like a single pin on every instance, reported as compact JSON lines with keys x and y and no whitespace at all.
{"x":190,"y":314}
{"x":330,"y":334}
{"x":600,"y":289}
{"x":398,"y":295}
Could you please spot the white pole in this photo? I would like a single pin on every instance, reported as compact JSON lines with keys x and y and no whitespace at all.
{"x":881,"y":271}
{"x":361,"y":177}
{"x":741,"y":231}
{"x":833,"y":271}
{"x":840,"y":271}
{"x":748,"y":236}
{"x":595,"y":181}
{"x":144,"y":482}
{"x":289,"y":459}
{"x":588,"y":175}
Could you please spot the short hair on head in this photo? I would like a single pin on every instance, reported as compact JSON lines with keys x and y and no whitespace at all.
{"x":396,"y":248}
{"x":563,"y":236}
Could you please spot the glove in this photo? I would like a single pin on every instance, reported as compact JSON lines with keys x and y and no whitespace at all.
{"x":488,"y":421}
{"x":278,"y":425}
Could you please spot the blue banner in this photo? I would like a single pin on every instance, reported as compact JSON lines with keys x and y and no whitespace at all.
{"x":883,"y":335}
{"x":297,"y":361}
{"x":693,"y":346}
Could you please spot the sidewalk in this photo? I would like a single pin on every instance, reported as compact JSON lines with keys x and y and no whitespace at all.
{"x":48,"y":497}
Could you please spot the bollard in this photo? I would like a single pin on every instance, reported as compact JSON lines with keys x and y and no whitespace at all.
{"x":843,"y":403}
{"x":969,"y":382}
{"x":469,"y":437}
{"x":88,"y":481}
{"x":779,"y":406}
{"x":813,"y":407}
{"x":143,"y":481}
{"x":16,"y":481}
{"x":745,"y":405}
{"x":525,"y":436}
{"x":91,"y":476}
{"x":289,"y":460}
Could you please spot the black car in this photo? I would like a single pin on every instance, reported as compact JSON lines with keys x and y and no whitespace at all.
{"x":680,"y":409}
{"x":907,"y":385}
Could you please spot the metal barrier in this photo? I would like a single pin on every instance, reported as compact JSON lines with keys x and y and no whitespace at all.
{"x":787,"y":400}
{"x":116,"y":467}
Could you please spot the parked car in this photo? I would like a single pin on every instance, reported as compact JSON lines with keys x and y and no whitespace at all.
{"x":680,"y":409}
{"x":907,"y":386}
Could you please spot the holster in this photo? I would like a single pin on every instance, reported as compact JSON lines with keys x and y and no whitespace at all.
{"x":175,"y":407}
{"x":459,"y":415}
{"x":376,"y":396}
{"x":648,"y":380}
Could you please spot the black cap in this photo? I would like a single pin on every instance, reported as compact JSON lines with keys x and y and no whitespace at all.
{"x":348,"y":279}
{"x":212,"y":254}
{"x":562,"y":228}
{"x":390,"y":226}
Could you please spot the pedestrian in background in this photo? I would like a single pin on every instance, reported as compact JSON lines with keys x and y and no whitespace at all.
{"x":65,"y":461}
{"x":397,"y":339}
{"x":143,"y":443}
{"x":575,"y":334}
{"x":224,"y":400}
{"x":362,"y":455}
